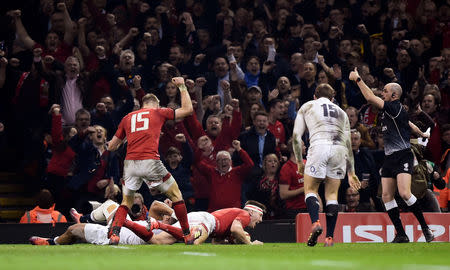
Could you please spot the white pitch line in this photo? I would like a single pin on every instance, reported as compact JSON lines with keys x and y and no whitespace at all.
{"x":198,"y":254}
{"x":425,"y":267}
{"x":121,"y":247}
{"x":328,"y":263}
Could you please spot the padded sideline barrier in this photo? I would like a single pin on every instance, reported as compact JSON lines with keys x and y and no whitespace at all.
{"x":375,"y":227}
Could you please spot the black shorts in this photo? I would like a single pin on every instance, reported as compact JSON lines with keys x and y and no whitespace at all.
{"x":398,"y":162}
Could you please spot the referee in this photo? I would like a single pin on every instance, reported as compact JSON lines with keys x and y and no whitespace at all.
{"x":398,"y":164}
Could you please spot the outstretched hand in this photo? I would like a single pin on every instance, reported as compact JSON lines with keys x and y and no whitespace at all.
{"x":354,"y":181}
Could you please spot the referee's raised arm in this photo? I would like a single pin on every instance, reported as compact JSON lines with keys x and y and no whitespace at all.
{"x":365,"y":90}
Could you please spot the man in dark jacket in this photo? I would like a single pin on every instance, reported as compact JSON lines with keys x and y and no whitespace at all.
{"x":257,"y":142}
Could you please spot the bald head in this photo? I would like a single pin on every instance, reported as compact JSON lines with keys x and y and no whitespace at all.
{"x":395,"y":88}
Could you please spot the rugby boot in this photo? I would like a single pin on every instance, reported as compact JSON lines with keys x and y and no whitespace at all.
{"x":316,"y":231}
{"x":114,"y":238}
{"x":328,"y":242}
{"x":429,"y":236}
{"x":39,"y":241}
{"x":401,"y":238}
{"x":194,"y":235}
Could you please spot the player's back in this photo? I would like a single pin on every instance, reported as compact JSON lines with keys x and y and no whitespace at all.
{"x":326,"y":122}
{"x":142,"y":129}
{"x":225,"y":218}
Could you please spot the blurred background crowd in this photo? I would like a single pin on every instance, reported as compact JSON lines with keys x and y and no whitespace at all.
{"x":70,"y":70}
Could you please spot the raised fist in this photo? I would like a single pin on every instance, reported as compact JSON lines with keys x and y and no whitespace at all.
{"x":100,"y":51}
{"x":235,"y":103}
{"x":236,"y":145}
{"x":61,"y":6}
{"x":82,"y":22}
{"x":225,"y":85}
{"x":37,"y":52}
{"x":121,"y":81}
{"x":48,"y":59}
{"x":137,"y":81}
{"x":133,"y":32}
{"x":200,"y":81}
{"x":55,"y":109}
{"x":101,"y":108}
{"x":178,"y":81}
{"x":190,"y":84}
{"x":180,"y":138}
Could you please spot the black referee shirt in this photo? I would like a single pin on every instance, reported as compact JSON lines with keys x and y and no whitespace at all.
{"x":395,"y":127}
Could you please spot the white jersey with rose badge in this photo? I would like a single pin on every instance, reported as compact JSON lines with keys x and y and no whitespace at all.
{"x":330,"y":149}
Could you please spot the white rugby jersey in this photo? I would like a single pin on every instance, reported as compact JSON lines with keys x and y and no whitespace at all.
{"x":326,"y":122}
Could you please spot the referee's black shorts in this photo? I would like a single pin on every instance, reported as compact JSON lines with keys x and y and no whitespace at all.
{"x":398,"y":162}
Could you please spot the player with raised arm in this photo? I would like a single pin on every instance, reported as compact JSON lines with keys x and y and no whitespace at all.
{"x":329,"y":157}
{"x":142,"y":130}
{"x":398,"y":164}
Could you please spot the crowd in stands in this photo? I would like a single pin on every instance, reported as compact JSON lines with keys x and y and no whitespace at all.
{"x":71,"y":70}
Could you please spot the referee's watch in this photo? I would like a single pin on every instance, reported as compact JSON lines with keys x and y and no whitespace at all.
{"x":358,"y":79}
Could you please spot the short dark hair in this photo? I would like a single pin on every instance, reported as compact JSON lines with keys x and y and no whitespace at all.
{"x":173,"y":150}
{"x":273,"y":103}
{"x":45,"y":199}
{"x":324,"y":90}
{"x":261,"y":113}
{"x":82,"y":111}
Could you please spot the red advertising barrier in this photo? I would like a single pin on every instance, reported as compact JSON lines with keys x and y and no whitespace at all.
{"x":375,"y":227}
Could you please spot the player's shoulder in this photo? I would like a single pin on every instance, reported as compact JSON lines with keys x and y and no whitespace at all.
{"x":308,"y":105}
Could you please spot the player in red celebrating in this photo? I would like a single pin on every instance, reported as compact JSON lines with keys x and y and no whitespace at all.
{"x":142,"y":129}
{"x":230,"y":222}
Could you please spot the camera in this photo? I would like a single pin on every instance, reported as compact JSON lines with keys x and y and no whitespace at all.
{"x":136,"y":209}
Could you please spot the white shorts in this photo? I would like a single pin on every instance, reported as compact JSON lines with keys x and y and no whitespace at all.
{"x":150,"y":171}
{"x":327,"y":161}
{"x":98,"y":235}
{"x":204,"y":219}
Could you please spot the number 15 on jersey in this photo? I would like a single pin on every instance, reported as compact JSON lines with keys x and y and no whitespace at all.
{"x":137,"y":119}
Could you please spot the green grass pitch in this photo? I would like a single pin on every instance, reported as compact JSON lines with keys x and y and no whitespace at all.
{"x":413,"y":256}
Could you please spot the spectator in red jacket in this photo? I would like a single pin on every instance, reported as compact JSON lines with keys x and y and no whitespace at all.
{"x":291,"y":186}
{"x":221,"y":132}
{"x":226,"y":182}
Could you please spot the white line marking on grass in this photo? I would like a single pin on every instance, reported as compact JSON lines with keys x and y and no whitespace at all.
{"x":425,"y":267}
{"x":329,"y":263}
{"x":199,"y":254}
{"x":121,"y":247}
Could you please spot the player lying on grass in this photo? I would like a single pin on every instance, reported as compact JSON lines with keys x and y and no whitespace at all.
{"x":226,"y":224}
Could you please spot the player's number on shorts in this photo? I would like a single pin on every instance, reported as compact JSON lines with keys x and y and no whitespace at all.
{"x":330,"y":110}
{"x":137,"y":118}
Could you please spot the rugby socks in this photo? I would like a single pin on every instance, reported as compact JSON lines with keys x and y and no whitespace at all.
{"x":139,"y":230}
{"x":331,"y":215}
{"x":52,"y":241}
{"x":312,"y":204}
{"x":181,"y":213}
{"x":174,"y":231}
{"x":86,"y":219}
{"x":119,"y":218}
{"x":417,"y":211}
{"x":394,"y":215}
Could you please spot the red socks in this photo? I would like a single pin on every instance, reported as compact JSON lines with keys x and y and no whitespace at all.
{"x":174,"y":231}
{"x":139,"y":230}
{"x":181,"y":213}
{"x":121,"y":215}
